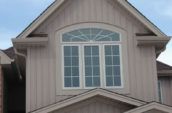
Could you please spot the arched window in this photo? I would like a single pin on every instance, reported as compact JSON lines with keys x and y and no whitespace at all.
{"x":91,"y":58}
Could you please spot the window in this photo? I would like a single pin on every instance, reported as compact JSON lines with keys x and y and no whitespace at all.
{"x":91,"y":58}
{"x":160,"y":91}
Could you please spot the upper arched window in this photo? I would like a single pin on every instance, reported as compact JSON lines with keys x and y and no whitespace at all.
{"x":90,"y":34}
{"x":91,"y":58}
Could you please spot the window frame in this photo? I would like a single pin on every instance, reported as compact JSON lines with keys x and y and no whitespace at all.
{"x":63,"y":76}
{"x":121,"y":66}
{"x":124,"y":64}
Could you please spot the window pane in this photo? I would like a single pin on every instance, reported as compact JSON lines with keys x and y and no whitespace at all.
{"x":88,"y":81}
{"x":67,"y":61}
{"x":109,"y":70}
{"x":116,"y":60}
{"x":117,"y":81}
{"x":75,"y":81}
{"x":75,"y":33}
{"x":92,"y":68}
{"x":68,"y":82}
{"x":109,"y":81}
{"x":71,"y":66}
{"x":88,"y":71}
{"x":116,"y":70}
{"x":88,"y":61}
{"x":108,"y":60}
{"x":108,"y":50}
{"x":96,"y":71}
{"x":115,"y":49}
{"x":74,"y":51}
{"x":75,"y":61}
{"x":96,"y":81}
{"x":75,"y":71}
{"x":95,"y":60}
{"x":112,"y":65}
{"x":90,"y":34}
{"x":87,"y":50}
{"x":66,"y":38}
{"x":95,"y":50}
{"x":115,"y":37}
{"x":67,"y":71}
{"x":67,"y":51}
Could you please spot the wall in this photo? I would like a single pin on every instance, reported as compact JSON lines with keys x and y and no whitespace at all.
{"x":42,"y":79}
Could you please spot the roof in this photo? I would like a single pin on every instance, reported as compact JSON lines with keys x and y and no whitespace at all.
{"x":164,"y":70}
{"x":152,"y":106}
{"x":4,"y":59}
{"x":163,"y":66}
{"x":58,"y":3}
{"x":90,"y":94}
{"x":9,"y":52}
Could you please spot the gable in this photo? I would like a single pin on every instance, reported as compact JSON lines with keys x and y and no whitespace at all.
{"x":95,"y":95}
{"x":125,"y":5}
{"x":96,"y":105}
{"x":100,"y":11}
{"x":152,"y":108}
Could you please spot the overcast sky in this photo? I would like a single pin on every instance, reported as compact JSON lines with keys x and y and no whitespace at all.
{"x":16,"y":15}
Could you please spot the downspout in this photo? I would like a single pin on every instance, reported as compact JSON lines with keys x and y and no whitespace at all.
{"x":22,"y":55}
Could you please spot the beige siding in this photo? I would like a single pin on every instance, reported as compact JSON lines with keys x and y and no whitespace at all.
{"x":166,"y":86}
{"x":154,"y":111}
{"x":41,"y":62}
{"x":96,"y":105}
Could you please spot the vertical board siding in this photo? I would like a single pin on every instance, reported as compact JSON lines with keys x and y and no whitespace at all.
{"x":96,"y":106}
{"x":41,"y":62}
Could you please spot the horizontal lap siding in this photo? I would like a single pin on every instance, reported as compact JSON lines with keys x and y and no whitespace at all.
{"x":41,"y":68}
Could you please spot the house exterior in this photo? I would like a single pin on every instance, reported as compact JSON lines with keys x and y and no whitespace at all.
{"x":5,"y":61}
{"x":91,"y":56}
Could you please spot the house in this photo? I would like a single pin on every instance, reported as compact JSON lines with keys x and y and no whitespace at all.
{"x":12,"y":83}
{"x":92,"y":56}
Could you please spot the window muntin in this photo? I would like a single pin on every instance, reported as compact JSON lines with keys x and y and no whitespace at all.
{"x":90,"y":34}
{"x":94,"y":65}
{"x":71,"y":66}
{"x":112,"y":65}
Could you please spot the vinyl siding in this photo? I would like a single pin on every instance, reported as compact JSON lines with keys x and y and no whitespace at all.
{"x":95,"y":105}
{"x":42,"y":68}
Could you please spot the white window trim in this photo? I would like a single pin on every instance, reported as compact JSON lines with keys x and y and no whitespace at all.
{"x":63,"y":81}
{"x":121,"y":66}
{"x":124,"y":65}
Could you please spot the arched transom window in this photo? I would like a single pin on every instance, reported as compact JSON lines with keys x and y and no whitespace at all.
{"x":91,"y":58}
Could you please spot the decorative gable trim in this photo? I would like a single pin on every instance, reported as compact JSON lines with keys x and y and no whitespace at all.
{"x":89,"y":94}
{"x":152,"y":106}
{"x":58,"y":3}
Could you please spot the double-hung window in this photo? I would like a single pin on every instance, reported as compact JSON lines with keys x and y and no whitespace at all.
{"x":91,"y":58}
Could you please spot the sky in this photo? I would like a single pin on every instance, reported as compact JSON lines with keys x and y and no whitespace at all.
{"x":16,"y":15}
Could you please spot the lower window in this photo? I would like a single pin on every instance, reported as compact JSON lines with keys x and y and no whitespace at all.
{"x":90,"y":66}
